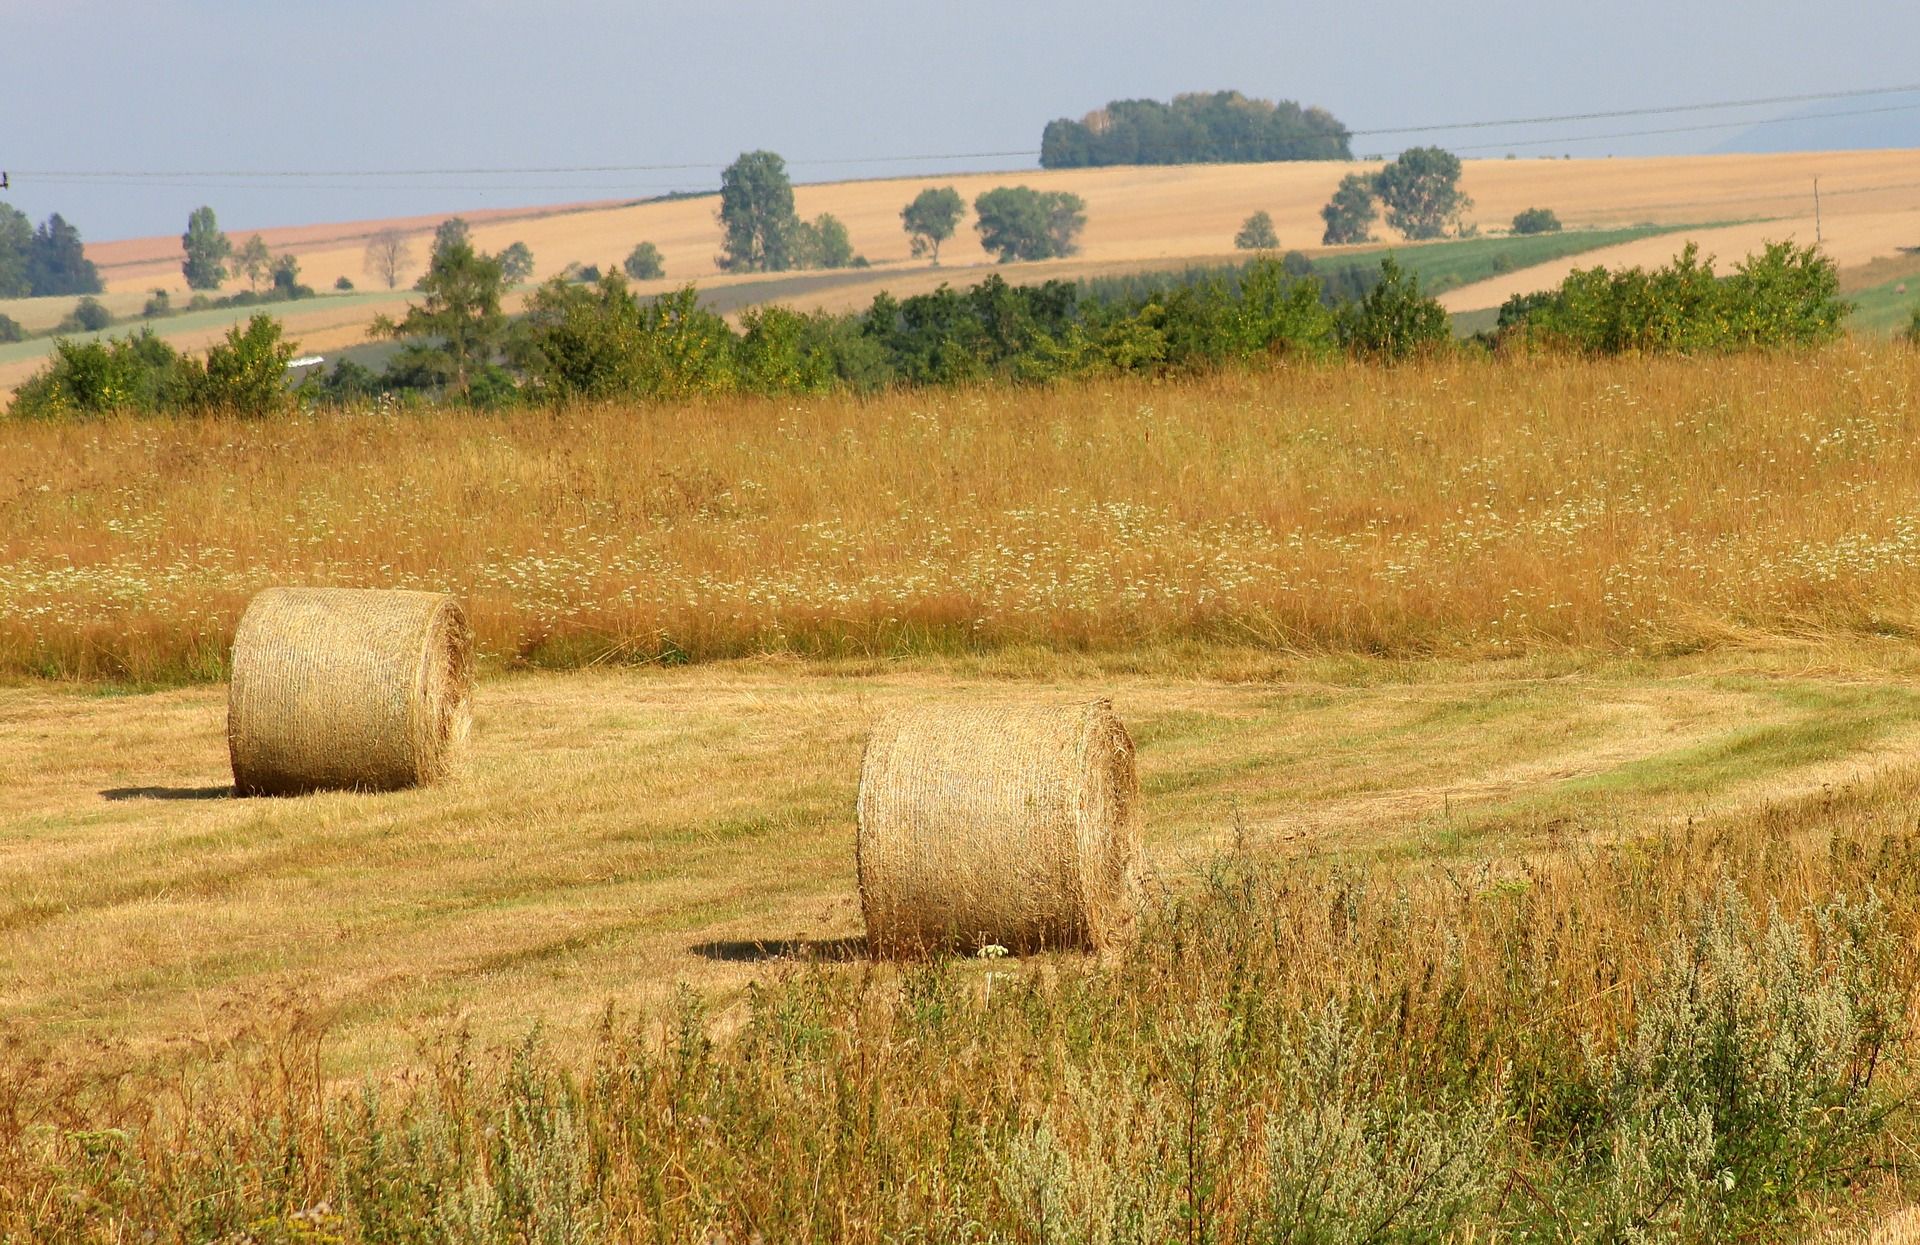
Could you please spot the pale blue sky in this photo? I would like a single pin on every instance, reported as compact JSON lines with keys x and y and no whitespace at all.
{"x":197,"y":86}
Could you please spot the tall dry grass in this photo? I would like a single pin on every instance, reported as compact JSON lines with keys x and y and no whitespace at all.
{"x":1467,"y":506}
{"x":1696,"y":1040}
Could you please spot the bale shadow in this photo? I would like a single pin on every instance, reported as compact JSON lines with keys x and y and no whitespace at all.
{"x":804,"y":950}
{"x":167,"y":793}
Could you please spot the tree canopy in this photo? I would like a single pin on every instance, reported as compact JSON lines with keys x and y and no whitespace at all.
{"x":458,"y":329}
{"x":207,"y":249}
{"x":57,"y":261}
{"x":1421,"y":192}
{"x":643,"y":263}
{"x":1257,"y":234}
{"x":931,"y":219}
{"x":1351,"y":212}
{"x":1199,"y":128}
{"x":1019,"y":222}
{"x":756,"y":214}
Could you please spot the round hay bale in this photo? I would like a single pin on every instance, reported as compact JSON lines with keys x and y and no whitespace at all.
{"x":348,"y":688}
{"x":1014,"y":825}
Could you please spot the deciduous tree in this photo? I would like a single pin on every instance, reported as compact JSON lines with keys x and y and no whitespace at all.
{"x":1421,"y":192}
{"x":388,"y":255}
{"x":1257,"y":234}
{"x":1351,"y":212}
{"x":206,"y":250}
{"x":643,"y":263}
{"x":458,"y":328}
{"x":756,"y":214}
{"x":1019,"y":222}
{"x":931,"y":219}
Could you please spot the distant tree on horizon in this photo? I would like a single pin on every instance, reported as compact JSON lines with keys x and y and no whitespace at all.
{"x":643,"y":263}
{"x":388,"y":255}
{"x":931,"y":219}
{"x":1021,"y":223}
{"x":254,"y":261}
{"x":57,"y":261}
{"x":757,"y":217}
{"x":1257,"y":233}
{"x":822,"y":242}
{"x":1421,"y":192}
{"x":1351,"y":212}
{"x":1536,"y":220}
{"x":206,"y":248}
{"x":516,"y":263}
{"x":16,"y":241}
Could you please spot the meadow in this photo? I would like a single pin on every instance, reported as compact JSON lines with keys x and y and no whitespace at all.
{"x":1527,"y":748}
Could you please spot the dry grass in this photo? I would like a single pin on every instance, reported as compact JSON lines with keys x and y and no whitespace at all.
{"x":1470,"y":508}
{"x":619,"y":832}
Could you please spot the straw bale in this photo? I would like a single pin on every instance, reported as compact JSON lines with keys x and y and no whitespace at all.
{"x":1009,"y":825}
{"x":347,"y":688}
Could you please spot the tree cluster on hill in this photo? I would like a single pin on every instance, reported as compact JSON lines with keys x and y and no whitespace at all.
{"x":1420,"y":191}
{"x":1199,"y":128}
{"x":49,"y":260}
{"x":761,"y":231}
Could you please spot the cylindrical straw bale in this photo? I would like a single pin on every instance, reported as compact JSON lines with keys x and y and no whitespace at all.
{"x":1009,"y":825}
{"x":348,"y":688}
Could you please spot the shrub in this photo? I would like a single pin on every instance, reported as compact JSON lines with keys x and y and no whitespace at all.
{"x":1257,"y":234}
{"x":246,"y":374}
{"x":89,"y":315}
{"x":1536,"y":220}
{"x":516,"y":263}
{"x":10,"y":330}
{"x":1784,"y":296}
{"x":643,"y":263}
{"x":343,"y":282}
{"x":160,"y":304}
{"x":137,"y":373}
{"x":1394,"y":320}
{"x":821,"y":243}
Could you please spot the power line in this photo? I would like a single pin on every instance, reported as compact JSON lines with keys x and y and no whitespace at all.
{"x":1681,"y":129}
{"x":373,"y":179}
{"x":1641,"y":112}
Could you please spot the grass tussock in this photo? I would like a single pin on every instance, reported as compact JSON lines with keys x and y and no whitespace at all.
{"x":1465,"y":507}
{"x":1694,"y":1040}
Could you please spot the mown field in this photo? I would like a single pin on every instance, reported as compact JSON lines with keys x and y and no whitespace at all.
{"x":1528,"y":759}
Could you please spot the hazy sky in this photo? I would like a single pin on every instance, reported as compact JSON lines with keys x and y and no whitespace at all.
{"x":197,"y":87}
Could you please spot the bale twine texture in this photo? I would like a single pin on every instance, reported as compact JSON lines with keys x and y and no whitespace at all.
{"x":1014,"y":825}
{"x":347,"y":688}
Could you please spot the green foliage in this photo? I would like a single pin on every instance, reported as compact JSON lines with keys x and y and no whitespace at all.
{"x":246,"y":374}
{"x":1536,"y":220}
{"x":1197,"y":128}
{"x":1257,"y":234}
{"x":16,"y":242}
{"x":782,"y":351}
{"x":160,"y":304}
{"x":1784,"y":296}
{"x":932,"y":218}
{"x":643,"y":263}
{"x":57,"y":261}
{"x":206,"y":251}
{"x":253,"y":261}
{"x":757,"y":219}
{"x":1351,"y":212}
{"x":451,"y":234}
{"x":820,"y":243}
{"x":345,"y":383}
{"x":516,"y":263}
{"x":343,"y":282}
{"x":459,"y":327}
{"x":10,"y":330}
{"x":1021,"y":223}
{"x":286,"y":278}
{"x":599,"y":342}
{"x":1421,"y":192}
{"x":140,"y":373}
{"x":1394,"y":321}
{"x":1912,"y":333}
{"x":89,"y":315}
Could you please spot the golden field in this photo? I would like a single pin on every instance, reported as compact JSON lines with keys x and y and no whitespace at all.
{"x":1471,"y":507}
{"x":1468,"y":697}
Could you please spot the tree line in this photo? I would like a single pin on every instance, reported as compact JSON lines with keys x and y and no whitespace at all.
{"x":1198,"y":128}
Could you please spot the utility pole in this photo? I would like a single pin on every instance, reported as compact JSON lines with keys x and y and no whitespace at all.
{"x":1817,"y":239}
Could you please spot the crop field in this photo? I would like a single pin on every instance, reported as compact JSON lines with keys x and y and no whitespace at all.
{"x":1138,"y":219}
{"x":1528,"y":757}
